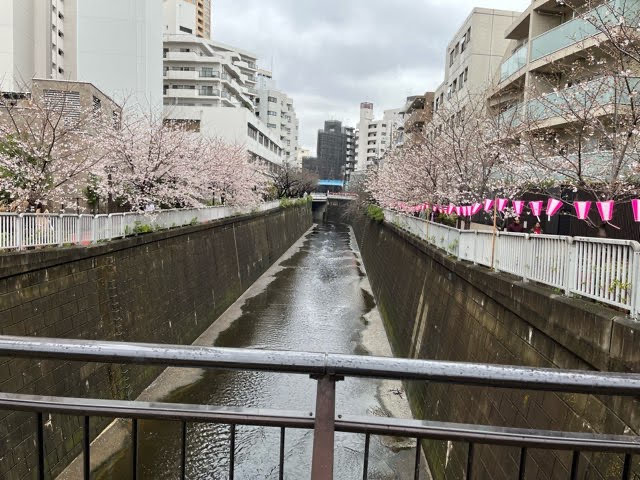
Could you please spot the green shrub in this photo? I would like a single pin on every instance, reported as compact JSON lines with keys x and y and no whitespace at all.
{"x":295,"y":202}
{"x":375,"y":213}
{"x":449,"y":220}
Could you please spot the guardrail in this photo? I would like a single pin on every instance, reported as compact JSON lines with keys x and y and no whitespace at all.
{"x":601,"y":269}
{"x":20,"y":231}
{"x":326,"y":369}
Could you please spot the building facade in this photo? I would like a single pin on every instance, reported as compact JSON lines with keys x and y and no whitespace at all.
{"x":416,"y":114}
{"x":373,"y":138}
{"x":113,"y":45}
{"x":276,"y":109}
{"x":212,"y":85}
{"x":188,"y":16}
{"x":473,"y":56}
{"x":302,"y":154}
{"x":332,"y":151}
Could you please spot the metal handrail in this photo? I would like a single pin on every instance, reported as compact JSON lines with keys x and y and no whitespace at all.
{"x":605,"y":270}
{"x":326,"y":369}
{"x":24,"y":230}
{"x":310,"y":363}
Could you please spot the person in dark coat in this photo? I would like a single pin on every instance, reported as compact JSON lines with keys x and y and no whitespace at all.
{"x":515,"y":226}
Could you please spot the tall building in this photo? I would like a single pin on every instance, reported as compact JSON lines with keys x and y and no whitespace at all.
{"x":113,"y":45}
{"x":211,"y":86}
{"x":332,"y":151}
{"x":374,"y":137}
{"x":188,"y":16}
{"x":276,"y":110}
{"x":474,"y":55}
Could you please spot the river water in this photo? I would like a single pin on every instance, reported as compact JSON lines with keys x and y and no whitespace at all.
{"x":317,"y":298}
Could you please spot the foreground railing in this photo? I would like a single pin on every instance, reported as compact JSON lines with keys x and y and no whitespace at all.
{"x":326,"y":369}
{"x":601,"y":269}
{"x":19,"y":231}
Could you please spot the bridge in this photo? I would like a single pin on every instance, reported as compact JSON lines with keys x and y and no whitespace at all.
{"x":506,"y":372}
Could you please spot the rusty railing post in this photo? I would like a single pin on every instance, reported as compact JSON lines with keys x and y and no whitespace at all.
{"x":324,"y":429}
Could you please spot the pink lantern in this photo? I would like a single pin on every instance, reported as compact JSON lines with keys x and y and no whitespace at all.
{"x":458,"y":210}
{"x":435,"y":209}
{"x":582,"y":209}
{"x":467,"y":210}
{"x":518,"y":206}
{"x":475,"y":208}
{"x":488,"y":204}
{"x":450,"y":209}
{"x":553,"y":205}
{"x":635,"y":204}
{"x":605,"y":209}
{"x":536,"y":208}
{"x":502,"y":203}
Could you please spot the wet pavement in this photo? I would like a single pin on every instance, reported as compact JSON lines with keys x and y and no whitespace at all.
{"x":316,"y":299}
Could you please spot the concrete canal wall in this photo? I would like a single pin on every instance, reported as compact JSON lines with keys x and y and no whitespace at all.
{"x":435,"y":307}
{"x":164,"y":287}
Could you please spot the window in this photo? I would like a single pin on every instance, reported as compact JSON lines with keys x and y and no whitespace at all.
{"x":97,"y":104}
{"x":272,"y":113}
{"x":60,"y":34}
{"x":273,"y":99}
{"x":466,"y":74}
{"x":454,"y":86}
{"x":272,"y":125}
{"x":372,"y":125}
{"x":185,"y":29}
{"x":461,"y":80}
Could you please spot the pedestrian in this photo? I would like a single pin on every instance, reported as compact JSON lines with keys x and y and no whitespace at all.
{"x":537,"y":229}
{"x":515,"y":226}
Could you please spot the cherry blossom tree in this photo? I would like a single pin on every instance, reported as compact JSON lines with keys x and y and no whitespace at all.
{"x":152,"y":161}
{"x":47,"y":148}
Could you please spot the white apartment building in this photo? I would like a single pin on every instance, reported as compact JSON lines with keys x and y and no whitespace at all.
{"x":474,"y":55}
{"x":373,"y":138}
{"x":212,"y":86}
{"x":276,"y":110}
{"x":113,"y":45}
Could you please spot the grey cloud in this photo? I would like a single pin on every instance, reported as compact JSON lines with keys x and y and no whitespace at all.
{"x":330,"y":55}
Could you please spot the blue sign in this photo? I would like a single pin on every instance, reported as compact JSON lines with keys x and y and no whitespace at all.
{"x":331,"y":183}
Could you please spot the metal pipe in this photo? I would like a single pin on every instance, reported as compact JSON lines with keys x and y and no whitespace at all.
{"x":530,"y":378}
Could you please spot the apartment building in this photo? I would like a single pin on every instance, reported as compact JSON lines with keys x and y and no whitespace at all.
{"x":545,"y":78}
{"x":276,"y":109}
{"x":373,"y":138}
{"x":212,"y":86}
{"x":474,"y":55}
{"x":188,"y":16}
{"x":113,"y":45}
{"x":417,"y":112}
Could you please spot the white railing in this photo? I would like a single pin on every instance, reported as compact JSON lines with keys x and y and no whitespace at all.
{"x":601,"y":269}
{"x":20,"y":231}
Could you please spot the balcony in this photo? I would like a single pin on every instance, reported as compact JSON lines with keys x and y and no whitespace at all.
{"x":181,"y":75}
{"x":209,"y":74}
{"x":182,"y":56}
{"x":514,"y":63}
{"x":601,"y":93}
{"x":208,"y":92}
{"x":579,"y":29}
{"x":181,"y":92}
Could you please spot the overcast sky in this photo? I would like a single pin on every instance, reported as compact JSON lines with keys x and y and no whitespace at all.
{"x":330,"y":55}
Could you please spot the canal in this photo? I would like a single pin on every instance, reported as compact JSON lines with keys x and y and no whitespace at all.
{"x":316,"y":298}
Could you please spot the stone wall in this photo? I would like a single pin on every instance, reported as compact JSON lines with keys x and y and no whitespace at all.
{"x":435,"y":307}
{"x":164,"y":287}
